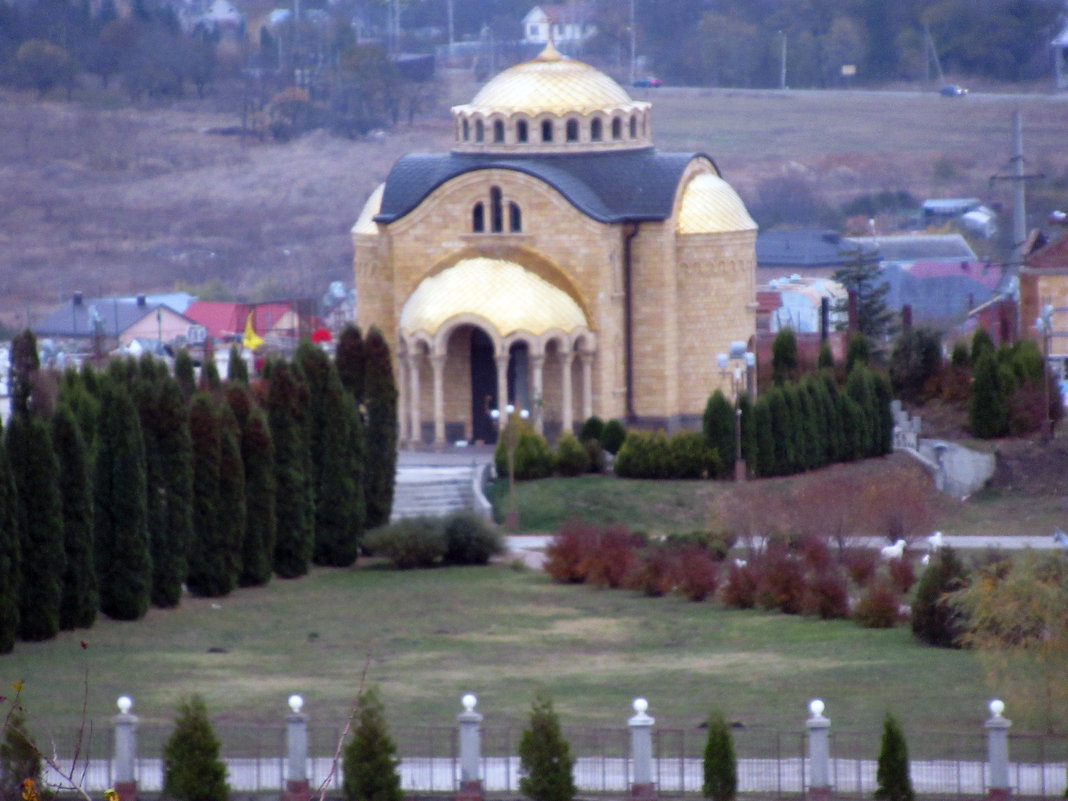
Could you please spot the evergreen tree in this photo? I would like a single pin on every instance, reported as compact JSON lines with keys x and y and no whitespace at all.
{"x":192,"y":769}
{"x":749,"y":433}
{"x":370,"y":761}
{"x":784,"y":357}
{"x":350,"y":358}
{"x":172,"y":527}
{"x":209,"y":375}
{"x":36,"y":472}
{"x":257,"y":449}
{"x":233,"y":510}
{"x":988,"y":407}
{"x":545,"y":760}
{"x":858,"y":387}
{"x":381,"y":462}
{"x":717,"y":425}
{"x":80,"y":596}
{"x":810,"y":443}
{"x":858,"y":351}
{"x":798,"y":447}
{"x":884,"y":413}
{"x":765,"y":438}
{"x":892,"y":773}
{"x":836,"y":434}
{"x":185,"y":373}
{"x":826,"y":358}
{"x":10,"y":557}
{"x":20,"y":758}
{"x":781,"y":432}
{"x":811,"y":387}
{"x":208,"y":553}
{"x":981,"y":343}
{"x":936,"y":620}
{"x":720,"y":767}
{"x":74,"y":393}
{"x":24,"y":365}
{"x":120,"y":514}
{"x":293,"y":508}
{"x":914,"y":360}
{"x":236,"y":369}
{"x":862,"y":276}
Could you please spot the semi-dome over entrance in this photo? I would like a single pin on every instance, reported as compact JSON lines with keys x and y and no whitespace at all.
{"x":554,"y":261}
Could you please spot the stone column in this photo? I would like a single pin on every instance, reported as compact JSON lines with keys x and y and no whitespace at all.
{"x":470,"y":751}
{"x":297,"y":788}
{"x":437,"y":361}
{"x":819,"y":752}
{"x":568,"y":417}
{"x":125,"y":783}
{"x":586,"y":358}
{"x":413,"y":388}
{"x":538,"y":363}
{"x":997,"y":749}
{"x":641,"y":751}
{"x":403,"y":435}
{"x":502,"y":387}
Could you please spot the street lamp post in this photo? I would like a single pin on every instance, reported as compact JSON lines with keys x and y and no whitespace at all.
{"x":510,"y":436}
{"x":1044,"y":326}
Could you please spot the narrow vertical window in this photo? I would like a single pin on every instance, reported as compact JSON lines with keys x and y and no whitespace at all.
{"x":480,"y":130}
{"x":633,"y":127}
{"x":617,"y":129}
{"x":467,"y":131}
{"x":496,"y":211}
{"x":572,"y":130}
{"x":498,"y":131}
{"x":596,"y":131}
{"x":478,"y":218}
{"x":515,"y":218}
{"x":546,"y":130}
{"x":521,"y":131}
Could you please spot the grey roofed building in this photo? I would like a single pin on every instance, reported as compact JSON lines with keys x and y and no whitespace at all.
{"x":916,"y":247}
{"x":802,"y":247}
{"x":76,"y":319}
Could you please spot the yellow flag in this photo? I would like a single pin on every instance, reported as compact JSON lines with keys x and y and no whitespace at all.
{"x":251,"y":340}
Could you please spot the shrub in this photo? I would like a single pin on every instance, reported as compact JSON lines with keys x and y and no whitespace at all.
{"x":691,"y":457}
{"x":533,"y":459}
{"x":592,"y":428}
{"x":784,"y":357}
{"x":572,"y":458}
{"x":740,"y":589}
{"x":902,"y":573}
{"x":698,"y":573}
{"x":988,"y":411}
{"x":815,"y":553}
{"x":782,"y":581}
{"x":720,"y":767}
{"x":644,"y":455}
{"x":567,"y":555}
{"x":545,"y":760}
{"x":935,"y":620}
{"x":915,"y":359}
{"x":717,"y":543}
{"x":878,"y":607}
{"x":613,"y":436}
{"x":717,"y":426}
{"x":595,"y":454}
{"x":19,"y":757}
{"x":826,"y":594}
{"x":892,"y":773}
{"x":470,"y":540}
{"x":612,"y":557}
{"x":414,"y":542}
{"x":655,"y":571}
{"x":370,"y":760}
{"x":860,"y":564}
{"x":192,"y":770}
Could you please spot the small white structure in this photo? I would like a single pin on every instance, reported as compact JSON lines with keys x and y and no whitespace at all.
{"x":562,"y":23}
{"x":1060,"y":59}
{"x":800,"y":299}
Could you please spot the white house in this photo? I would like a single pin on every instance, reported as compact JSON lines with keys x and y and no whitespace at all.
{"x":562,"y":23}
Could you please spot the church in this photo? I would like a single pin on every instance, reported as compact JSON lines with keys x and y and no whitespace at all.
{"x":555,"y":264}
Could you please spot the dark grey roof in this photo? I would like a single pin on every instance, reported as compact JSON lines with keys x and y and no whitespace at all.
{"x":609,"y":187}
{"x":802,"y":247}
{"x":917,"y":247}
{"x":74,"y":320}
{"x":934,"y":300}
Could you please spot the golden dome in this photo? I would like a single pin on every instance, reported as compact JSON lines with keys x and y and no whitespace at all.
{"x":551,"y":83}
{"x":710,"y":206}
{"x":503,"y":293}
{"x":365,"y":223}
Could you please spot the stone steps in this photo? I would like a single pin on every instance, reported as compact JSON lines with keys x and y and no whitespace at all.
{"x":432,"y":492}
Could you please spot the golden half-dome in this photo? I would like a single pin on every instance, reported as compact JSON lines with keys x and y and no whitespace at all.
{"x":501,"y":292}
{"x":365,"y":223}
{"x":711,"y":206}
{"x":551,"y":83}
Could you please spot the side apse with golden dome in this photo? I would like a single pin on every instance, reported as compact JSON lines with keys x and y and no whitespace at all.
{"x":556,"y":263}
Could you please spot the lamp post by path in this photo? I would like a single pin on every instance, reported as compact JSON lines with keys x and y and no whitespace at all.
{"x":510,"y":436}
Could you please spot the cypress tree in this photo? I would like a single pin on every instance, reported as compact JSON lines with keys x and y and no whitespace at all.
{"x":209,"y":375}
{"x":293,"y":509}
{"x":233,"y":513}
{"x":36,"y":472}
{"x":883,"y":396}
{"x":717,"y":425}
{"x":381,"y":401}
{"x":351,"y":362}
{"x":784,"y":357}
{"x":765,"y":438}
{"x":892,"y":773}
{"x":858,"y":388}
{"x":74,"y":393}
{"x":815,"y":400}
{"x":836,"y":438}
{"x":172,"y":529}
{"x":192,"y":769}
{"x":749,"y":433}
{"x":10,"y":553}
{"x":370,"y":760}
{"x":257,"y":449}
{"x":208,"y":555}
{"x":236,"y":369}
{"x":80,"y":596}
{"x":988,"y":409}
{"x":24,"y":365}
{"x":545,"y":760}
{"x":858,"y":351}
{"x":810,"y":444}
{"x":796,"y":430}
{"x":936,"y":620}
{"x":185,"y":373}
{"x":782,"y":435}
{"x":120,"y":514}
{"x":826,"y":358}
{"x":720,"y":766}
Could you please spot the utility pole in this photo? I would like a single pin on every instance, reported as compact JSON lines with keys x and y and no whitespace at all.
{"x":782,"y":61}
{"x":633,"y":41}
{"x":1019,"y":180}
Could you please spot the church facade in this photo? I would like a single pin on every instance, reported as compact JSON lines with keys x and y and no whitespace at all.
{"x":554,"y":264}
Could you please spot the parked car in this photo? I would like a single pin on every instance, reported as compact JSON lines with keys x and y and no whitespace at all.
{"x":648,"y":82}
{"x":953,"y":90}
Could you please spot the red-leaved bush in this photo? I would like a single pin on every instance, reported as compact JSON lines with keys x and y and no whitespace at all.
{"x":698,"y":573}
{"x":613,"y":557}
{"x":815,"y":553}
{"x":568,"y":553}
{"x":902,"y":573}
{"x":860,"y":564}
{"x":740,"y":588}
{"x":655,"y":572}
{"x":782,"y":580}
{"x":879,"y":607}
{"x":826,"y":594}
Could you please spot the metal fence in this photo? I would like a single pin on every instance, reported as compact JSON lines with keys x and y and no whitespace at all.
{"x":771,"y":763}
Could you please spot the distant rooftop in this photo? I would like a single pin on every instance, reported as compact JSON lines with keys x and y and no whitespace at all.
{"x":802,"y":247}
{"x":916,"y":247}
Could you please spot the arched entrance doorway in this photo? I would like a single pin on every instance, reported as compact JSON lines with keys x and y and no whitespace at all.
{"x":483,"y":387}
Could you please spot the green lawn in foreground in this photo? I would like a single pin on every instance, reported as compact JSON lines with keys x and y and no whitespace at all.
{"x":427,"y":637}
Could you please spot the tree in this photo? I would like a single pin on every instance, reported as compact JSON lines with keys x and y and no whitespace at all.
{"x":545,"y":760}
{"x":717,"y":425}
{"x":233,"y":511}
{"x":172,"y":512}
{"x":10,"y":557}
{"x":988,"y":407}
{"x":381,"y":400}
{"x":784,"y":357}
{"x":236,"y":369}
{"x":19,"y":756}
{"x":185,"y":373}
{"x":370,"y":760}
{"x":935,"y":619}
{"x":80,"y":595}
{"x":120,"y":514}
{"x":42,"y":65}
{"x":208,"y":554}
{"x":892,"y":773}
{"x":294,"y":507}
{"x":192,"y":769}
{"x":720,"y":767}
{"x":861,"y":277}
{"x":1017,"y":614}
{"x":350,"y":359}
{"x":35,"y":470}
{"x":24,"y":365}
{"x":257,"y":454}
{"x":915,"y":359}
{"x":826,"y":358}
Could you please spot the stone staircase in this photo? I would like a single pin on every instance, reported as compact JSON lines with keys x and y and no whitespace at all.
{"x":438,"y":491}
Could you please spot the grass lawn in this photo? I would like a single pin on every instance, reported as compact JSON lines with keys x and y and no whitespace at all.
{"x":427,"y":637}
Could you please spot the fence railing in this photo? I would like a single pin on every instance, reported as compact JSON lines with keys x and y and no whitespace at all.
{"x":771,"y":763}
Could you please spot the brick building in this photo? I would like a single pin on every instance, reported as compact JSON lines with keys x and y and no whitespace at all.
{"x":555,"y":261}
